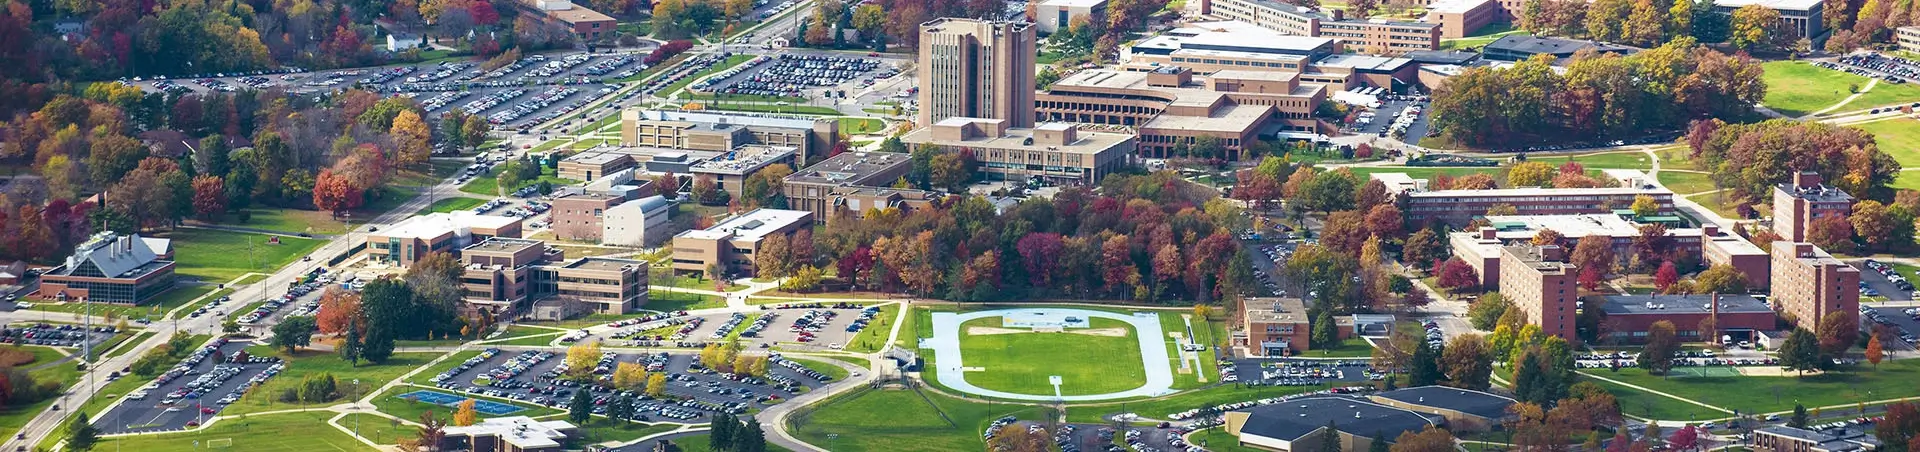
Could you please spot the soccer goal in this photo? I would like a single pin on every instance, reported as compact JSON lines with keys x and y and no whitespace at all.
{"x":220,"y":443}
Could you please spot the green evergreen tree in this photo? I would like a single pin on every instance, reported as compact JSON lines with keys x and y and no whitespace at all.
{"x":1425,"y":368}
{"x":581,"y":407}
{"x":81,"y":436}
{"x":1799,"y":419}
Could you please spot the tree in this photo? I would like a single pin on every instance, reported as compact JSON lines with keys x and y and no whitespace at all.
{"x":1684,"y":438}
{"x":209,"y":197}
{"x":1873,"y":222}
{"x":1645,"y":206}
{"x":1751,"y":25}
{"x":1468,"y":361}
{"x":1606,"y":19}
{"x":722,"y":428}
{"x":1800,"y":352}
{"x":1799,"y":418}
{"x":1456,"y":276}
{"x":1593,"y":251}
{"x":1832,"y":233}
{"x":465,"y":415}
{"x":1838,"y":331}
{"x":81,"y":435}
{"x":1530,"y":174}
{"x":1874,"y":351}
{"x":351,"y":346}
{"x":1662,"y":344}
{"x":334,"y":193}
{"x":1430,"y":439}
{"x":582,"y":358}
{"x":1486,"y":312}
{"x":339,"y":308}
{"x":1325,"y":334}
{"x":1720,"y":278}
{"x":581,"y":407}
{"x":1385,"y":221}
{"x":1664,"y":278}
{"x":293,"y":332}
{"x":630,"y":376}
{"x":1902,"y":420}
{"x":1423,"y":246}
{"x":657,"y":384}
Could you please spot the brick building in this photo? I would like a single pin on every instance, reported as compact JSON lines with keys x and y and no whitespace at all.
{"x":1460,"y":18}
{"x":1056,"y":153}
{"x":1808,"y":284}
{"x":1798,"y":203}
{"x":1630,"y":316}
{"x":1533,"y":279}
{"x":411,"y":239}
{"x":731,"y":244}
{"x":507,"y":276}
{"x":1459,"y":207}
{"x":976,"y":69}
{"x":1210,"y":47}
{"x":1276,"y":327}
{"x":1377,"y":36}
{"x":854,"y":182}
{"x":718,"y":131}
{"x":585,"y":23}
{"x":113,"y":268}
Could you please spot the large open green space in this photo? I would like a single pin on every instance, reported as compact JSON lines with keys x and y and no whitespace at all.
{"x":902,"y":420}
{"x":1755,"y":394}
{"x":315,"y":362}
{"x":1796,"y":88}
{"x":489,"y":184}
{"x":1899,"y":138}
{"x":1022,"y":362}
{"x":1885,"y":94}
{"x":1686,"y":183}
{"x":221,"y":256}
{"x":1627,"y":160}
{"x":856,"y":126}
{"x":283,"y":432}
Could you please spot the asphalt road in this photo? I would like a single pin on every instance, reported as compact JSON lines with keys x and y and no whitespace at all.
{"x":149,"y":415}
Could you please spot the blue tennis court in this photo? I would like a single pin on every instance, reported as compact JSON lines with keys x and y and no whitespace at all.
{"x":453,"y":401}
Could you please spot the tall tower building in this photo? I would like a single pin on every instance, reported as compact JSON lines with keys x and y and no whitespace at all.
{"x":976,"y":69}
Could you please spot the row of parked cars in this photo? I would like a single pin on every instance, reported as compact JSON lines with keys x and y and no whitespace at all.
{"x":62,"y":335}
{"x":1873,"y":64}
{"x":533,"y":105}
{"x":274,"y":304}
{"x":1899,"y":281}
{"x":792,"y":75}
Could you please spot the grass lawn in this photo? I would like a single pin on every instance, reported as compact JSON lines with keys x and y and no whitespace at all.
{"x":288,"y":432}
{"x":1171,"y":322}
{"x":537,"y":340}
{"x":223,"y":255}
{"x":452,"y":204}
{"x":1723,"y":203}
{"x":1628,"y":160}
{"x":451,"y":362}
{"x":1022,"y":362}
{"x":664,"y":277}
{"x":1795,"y":88}
{"x":1893,"y":379}
{"x":404,"y":186}
{"x":698,"y":443}
{"x":379,"y":429}
{"x":1349,"y":348}
{"x":771,"y":108}
{"x":1161,"y":407}
{"x":314,"y":362}
{"x":159,"y":305}
{"x":1218,"y":440}
{"x":874,"y":337}
{"x":490,"y":185}
{"x":1899,"y":138}
{"x":676,"y":301}
{"x":838,"y":373}
{"x":137,"y":338}
{"x":390,"y":402}
{"x":901,"y":420}
{"x":1686,"y":183}
{"x":857,"y":126}
{"x":1483,"y":36}
{"x":1886,"y":94}
{"x":724,"y":98}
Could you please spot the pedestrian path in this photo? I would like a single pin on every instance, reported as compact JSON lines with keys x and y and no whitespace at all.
{"x":1656,"y":392}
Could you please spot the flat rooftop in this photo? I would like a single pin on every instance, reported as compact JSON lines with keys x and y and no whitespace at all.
{"x":504,"y":245}
{"x":1396,"y":182}
{"x":1270,"y":76}
{"x":459,"y":223}
{"x":1816,"y":256}
{"x":1533,"y":256}
{"x":604,"y":264}
{"x":1571,"y":226}
{"x":1468,"y":401}
{"x":1247,"y":39}
{"x":1364,"y":62}
{"x":744,"y":119}
{"x":1533,"y":191}
{"x":744,"y":159}
{"x":521,"y":431}
{"x":1531,"y":45}
{"x":849,"y":167}
{"x":1089,"y":142}
{"x":1819,"y":193}
{"x":1681,"y":304}
{"x":1073,"y":3}
{"x":1793,"y":5}
{"x":1456,"y":6}
{"x":1236,"y":118}
{"x":1276,"y":310}
{"x":595,"y":158}
{"x":749,"y":226}
{"x":1293,"y":419}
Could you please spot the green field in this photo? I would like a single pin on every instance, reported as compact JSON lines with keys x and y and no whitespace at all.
{"x":403,"y":187}
{"x":452,"y":204}
{"x":1899,"y":138}
{"x":220,"y":256}
{"x":489,"y":185}
{"x":1022,"y":362}
{"x":1349,"y":348}
{"x":675,"y":301}
{"x":155,"y":307}
{"x":874,"y":337}
{"x":857,"y":126}
{"x":1172,"y":323}
{"x":1625,"y":160}
{"x":284,"y":432}
{"x":772,"y":108}
{"x":314,"y":362}
{"x":1886,"y":94}
{"x":1893,"y":379}
{"x":901,"y":420}
{"x":1218,"y":440}
{"x":1795,"y":88}
{"x":1481,"y":37}
{"x":1686,"y":183}
{"x":379,"y":429}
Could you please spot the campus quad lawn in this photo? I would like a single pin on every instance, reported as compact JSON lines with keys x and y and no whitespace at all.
{"x":1629,"y":160}
{"x":1348,"y":348}
{"x":1686,"y":183}
{"x":1893,"y":379}
{"x":1898,"y":137}
{"x":602,"y":429}
{"x":222,"y":255}
{"x":1795,"y":88}
{"x":163,"y":303}
{"x":315,"y":362}
{"x":489,"y":184}
{"x":1885,"y":94}
{"x":379,"y":429}
{"x":901,"y":420}
{"x":1642,"y":404}
{"x":697,"y":443}
{"x":1022,"y":362}
{"x":677,"y":301}
{"x":282,"y":432}
{"x":856,"y":126}
{"x":452,"y":205}
{"x":1159,"y":408}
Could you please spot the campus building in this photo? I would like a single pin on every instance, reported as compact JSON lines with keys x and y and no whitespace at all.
{"x":731,"y":244}
{"x":592,"y":165}
{"x":1051,"y":16}
{"x":1808,"y":284}
{"x":1302,"y":424}
{"x":1534,"y":279}
{"x":585,"y":23}
{"x":1465,"y":410}
{"x":1275,"y":327}
{"x":1459,"y":207}
{"x":1706,"y":244}
{"x":1802,"y":17}
{"x":1055,"y":153}
{"x":1376,"y":36}
{"x":411,"y":239}
{"x":508,"y":434}
{"x":1519,"y":47}
{"x":511,"y":276}
{"x":1797,"y":204}
{"x":717,"y":132}
{"x":729,"y":171}
{"x":854,"y":182}
{"x":1789,"y":439}
{"x":1170,"y":110}
{"x":1210,"y":47}
{"x":1460,"y":18}
{"x":1630,"y":316}
{"x":639,"y":223}
{"x":113,"y":268}
{"x":1908,"y":38}
{"x":976,"y":69}
{"x":578,"y":215}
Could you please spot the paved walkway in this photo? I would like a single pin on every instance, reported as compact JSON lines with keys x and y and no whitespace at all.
{"x":1153,"y":352}
{"x":1654,"y":391}
{"x":1871,"y":82}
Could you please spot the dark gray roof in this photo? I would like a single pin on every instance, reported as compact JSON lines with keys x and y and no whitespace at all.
{"x":1293,"y":419}
{"x":1534,"y":45}
{"x":1442,"y":56}
{"x":1680,"y":304}
{"x":1796,"y":433}
{"x":1468,"y":401}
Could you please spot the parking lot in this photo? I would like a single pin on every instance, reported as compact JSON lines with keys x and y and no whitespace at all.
{"x":1887,"y":68}
{"x":1878,"y":279}
{"x":1099,"y":438}
{"x":695,"y":392}
{"x":1303,"y":372}
{"x":1397,"y":116}
{"x":196,"y":389}
{"x":55,"y":334}
{"x":799,"y":75}
{"x":788,"y":325}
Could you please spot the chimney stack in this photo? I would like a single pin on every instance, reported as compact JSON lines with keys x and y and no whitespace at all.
{"x":1806,"y":179}
{"x":1487,"y":234}
{"x":1710,"y":231}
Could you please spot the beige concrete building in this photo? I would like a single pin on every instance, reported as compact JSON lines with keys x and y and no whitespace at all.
{"x":1210,"y":47}
{"x":1908,"y":38}
{"x":1797,"y":204}
{"x":1168,"y":108}
{"x":1808,"y":284}
{"x":1051,"y":16}
{"x":976,"y":69}
{"x":1534,"y":279}
{"x":1460,"y":18}
{"x":507,"y":276}
{"x":578,"y":215}
{"x":731,"y":244}
{"x":1376,"y":36}
{"x":714,"y":131}
{"x":591,"y":165}
{"x":730,"y":170}
{"x":640,"y":222}
{"x":854,"y":182}
{"x":1056,"y":153}
{"x":409,"y":240}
